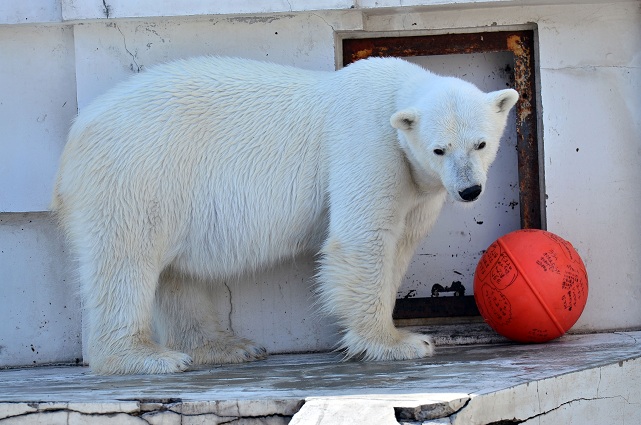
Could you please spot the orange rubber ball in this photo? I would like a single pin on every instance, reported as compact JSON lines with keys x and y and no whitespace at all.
{"x":531,"y":286}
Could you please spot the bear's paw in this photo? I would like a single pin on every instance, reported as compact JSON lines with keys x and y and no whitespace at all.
{"x":228,"y":350}
{"x":145,"y":360}
{"x":400,"y":345}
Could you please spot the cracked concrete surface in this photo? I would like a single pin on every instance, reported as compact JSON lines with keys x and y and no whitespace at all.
{"x":571,"y":398}
{"x":578,"y":379}
{"x":153,"y":412}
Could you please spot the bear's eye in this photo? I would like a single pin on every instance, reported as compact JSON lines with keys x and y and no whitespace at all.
{"x":480,"y":146}
{"x":439,"y":152}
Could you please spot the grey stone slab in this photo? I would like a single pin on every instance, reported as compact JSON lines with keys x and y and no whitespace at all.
{"x":273,"y":390}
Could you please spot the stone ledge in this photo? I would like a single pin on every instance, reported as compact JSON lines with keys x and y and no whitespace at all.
{"x":29,"y":12}
{"x":556,"y":382}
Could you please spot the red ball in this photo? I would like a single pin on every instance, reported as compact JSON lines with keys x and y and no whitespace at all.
{"x":531,"y":286}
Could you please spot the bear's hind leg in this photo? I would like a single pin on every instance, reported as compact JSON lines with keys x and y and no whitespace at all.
{"x":119,"y":298}
{"x":185,"y":322}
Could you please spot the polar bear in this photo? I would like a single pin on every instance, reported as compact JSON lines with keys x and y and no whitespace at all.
{"x":206,"y":169}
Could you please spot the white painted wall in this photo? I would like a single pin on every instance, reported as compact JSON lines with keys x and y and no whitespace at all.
{"x":37,"y":103}
{"x":39,"y":314}
{"x":53,"y":52}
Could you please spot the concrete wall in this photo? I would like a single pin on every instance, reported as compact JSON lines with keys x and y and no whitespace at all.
{"x":56,"y":56}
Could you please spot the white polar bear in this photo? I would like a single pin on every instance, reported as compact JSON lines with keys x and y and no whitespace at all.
{"x":210,"y":168}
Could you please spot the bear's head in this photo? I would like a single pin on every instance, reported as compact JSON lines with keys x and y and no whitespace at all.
{"x":451,"y":133}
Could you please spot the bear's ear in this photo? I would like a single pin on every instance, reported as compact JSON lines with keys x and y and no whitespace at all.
{"x":405,"y":119}
{"x":504,"y":100}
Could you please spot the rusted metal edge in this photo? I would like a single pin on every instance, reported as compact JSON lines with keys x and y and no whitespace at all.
{"x":426,"y":45}
{"x":522,"y":45}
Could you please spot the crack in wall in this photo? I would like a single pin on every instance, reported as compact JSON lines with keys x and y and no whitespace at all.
{"x":539,"y":415}
{"x":137,"y":67}
{"x":324,"y":20}
{"x":106,"y":8}
{"x":231,"y":308}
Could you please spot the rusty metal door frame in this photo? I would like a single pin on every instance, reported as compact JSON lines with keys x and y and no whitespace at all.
{"x":521,"y":45}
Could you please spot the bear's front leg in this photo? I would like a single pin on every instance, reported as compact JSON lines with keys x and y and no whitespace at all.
{"x":358,"y":285}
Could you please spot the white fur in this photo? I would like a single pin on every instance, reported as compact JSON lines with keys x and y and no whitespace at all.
{"x":201,"y":170}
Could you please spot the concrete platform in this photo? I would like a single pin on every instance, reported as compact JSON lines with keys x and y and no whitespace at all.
{"x":578,"y":379}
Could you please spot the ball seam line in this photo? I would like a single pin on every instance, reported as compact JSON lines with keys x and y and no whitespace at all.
{"x":534,"y":291}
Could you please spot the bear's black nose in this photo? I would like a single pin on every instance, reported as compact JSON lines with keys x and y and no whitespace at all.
{"x":471,"y":193}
